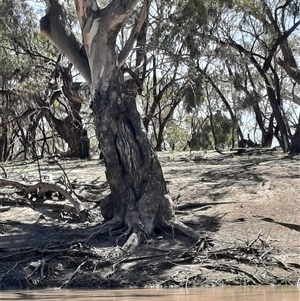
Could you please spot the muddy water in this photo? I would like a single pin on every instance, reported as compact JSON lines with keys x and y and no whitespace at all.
{"x":267,"y":293}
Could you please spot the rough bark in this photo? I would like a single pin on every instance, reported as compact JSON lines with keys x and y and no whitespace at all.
{"x":138,"y":189}
{"x":133,"y":171}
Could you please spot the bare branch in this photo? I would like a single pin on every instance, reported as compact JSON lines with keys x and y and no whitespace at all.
{"x":134,"y":33}
{"x":53,"y":26}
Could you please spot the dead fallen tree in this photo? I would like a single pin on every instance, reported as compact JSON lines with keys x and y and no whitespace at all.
{"x":42,"y":188}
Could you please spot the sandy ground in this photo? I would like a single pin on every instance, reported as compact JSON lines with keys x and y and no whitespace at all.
{"x":246,"y":208}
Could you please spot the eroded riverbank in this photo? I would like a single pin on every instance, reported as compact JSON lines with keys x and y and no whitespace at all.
{"x":246,"y":210}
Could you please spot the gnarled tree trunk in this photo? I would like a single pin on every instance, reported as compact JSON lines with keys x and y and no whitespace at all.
{"x":138,"y":201}
{"x":71,"y":130}
{"x":135,"y":176}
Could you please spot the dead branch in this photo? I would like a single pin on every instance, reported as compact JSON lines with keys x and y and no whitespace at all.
{"x":197,"y":205}
{"x":43,"y":187}
{"x":4,"y":208}
{"x":232,"y":269}
{"x":4,"y":171}
{"x":71,"y":278}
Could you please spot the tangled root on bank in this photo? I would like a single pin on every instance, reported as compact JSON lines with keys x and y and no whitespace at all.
{"x":135,"y":229}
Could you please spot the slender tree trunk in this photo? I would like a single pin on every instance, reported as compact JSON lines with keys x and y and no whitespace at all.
{"x":266,"y":135}
{"x":224,"y":100}
{"x":273,"y":91}
{"x":3,"y":138}
{"x":163,"y":124}
{"x":277,"y":111}
{"x":295,"y":147}
{"x":211,"y":120}
{"x":3,"y":143}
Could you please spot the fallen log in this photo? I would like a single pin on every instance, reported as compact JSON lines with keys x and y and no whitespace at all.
{"x":42,"y":188}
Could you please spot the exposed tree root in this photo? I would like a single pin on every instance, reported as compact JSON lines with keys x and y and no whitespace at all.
{"x":133,"y":241}
{"x":140,"y":222}
{"x":73,"y":263}
{"x":107,"y":228}
{"x":135,"y":237}
{"x":184,"y":229}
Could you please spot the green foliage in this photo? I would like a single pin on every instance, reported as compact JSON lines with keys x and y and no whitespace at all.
{"x":182,"y":33}
{"x":250,"y":99}
{"x":203,"y":137}
{"x":223,"y":129}
{"x":185,"y":24}
{"x":24,"y":51}
{"x":193,"y":93}
{"x":176,"y":135}
{"x":25,"y":66}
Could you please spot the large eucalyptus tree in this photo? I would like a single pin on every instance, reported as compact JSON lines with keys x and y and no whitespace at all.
{"x":138,"y":201}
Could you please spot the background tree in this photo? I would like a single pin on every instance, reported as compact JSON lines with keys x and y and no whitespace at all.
{"x":253,"y":41}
